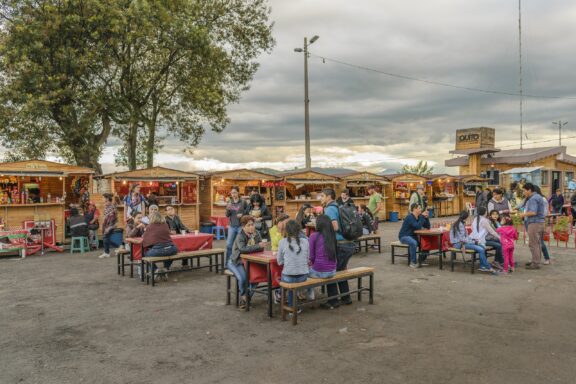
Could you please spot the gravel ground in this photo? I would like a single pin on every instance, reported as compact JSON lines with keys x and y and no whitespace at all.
{"x":70,"y":319}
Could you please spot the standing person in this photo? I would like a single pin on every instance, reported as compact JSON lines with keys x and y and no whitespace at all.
{"x":460,"y":239}
{"x":419,"y":197}
{"x":344,"y":250}
{"x":414,"y":221}
{"x":293,"y":254}
{"x":260,"y":212}
{"x":235,"y":209}
{"x":508,"y":236}
{"x":304,"y":215}
{"x":248,"y":240}
{"x":557,"y":202}
{"x":499,"y":203}
{"x":174,"y":223}
{"x":91,"y":215}
{"x":368,"y":226}
{"x":345,"y":199}
{"x":534,"y":219}
{"x":375,"y":204}
{"x":134,"y":201}
{"x":545,"y":252}
{"x":573,"y":204}
{"x":156,"y":240}
{"x":109,"y":225}
{"x":485,"y":235}
{"x":481,"y":200}
{"x":277,"y":231}
{"x":323,"y":248}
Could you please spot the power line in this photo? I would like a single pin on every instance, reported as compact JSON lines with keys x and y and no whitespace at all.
{"x":540,"y":141}
{"x":439,"y":83}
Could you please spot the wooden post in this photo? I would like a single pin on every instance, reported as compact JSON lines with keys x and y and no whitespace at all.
{"x":197,"y":203}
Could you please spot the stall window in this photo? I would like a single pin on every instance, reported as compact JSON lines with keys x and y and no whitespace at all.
{"x":189,"y":193}
{"x":494,"y":176}
{"x":544,"y":177}
{"x":568,"y":176}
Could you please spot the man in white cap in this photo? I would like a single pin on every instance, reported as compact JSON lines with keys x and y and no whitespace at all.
{"x":419,"y":197}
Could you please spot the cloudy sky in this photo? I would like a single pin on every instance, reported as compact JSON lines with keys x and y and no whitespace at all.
{"x":365,"y":120}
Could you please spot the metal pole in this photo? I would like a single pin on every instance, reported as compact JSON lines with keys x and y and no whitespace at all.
{"x":520,"y":68}
{"x":306,"y":108}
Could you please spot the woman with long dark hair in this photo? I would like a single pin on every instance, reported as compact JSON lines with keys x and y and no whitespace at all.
{"x":481,"y":227}
{"x":293,"y":254}
{"x":304,"y":215}
{"x":134,"y":202}
{"x":323,"y":249}
{"x":460,"y":239}
{"x":261,"y":214}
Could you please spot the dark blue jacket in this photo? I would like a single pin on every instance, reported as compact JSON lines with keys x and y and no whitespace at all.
{"x":411,"y":224}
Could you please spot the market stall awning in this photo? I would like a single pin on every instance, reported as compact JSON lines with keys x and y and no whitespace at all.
{"x":153,"y":174}
{"x":41,"y":168}
{"x":311,"y":182}
{"x":521,"y":170}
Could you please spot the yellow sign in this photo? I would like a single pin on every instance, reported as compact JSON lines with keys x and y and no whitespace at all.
{"x":36,"y":166}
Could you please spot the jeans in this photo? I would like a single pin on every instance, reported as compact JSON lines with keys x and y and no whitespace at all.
{"x":413,"y":247}
{"x":293,"y":279}
{"x":232,"y":233}
{"x":344,"y":252}
{"x":321,"y":275}
{"x":167,"y":249}
{"x":106,"y":241}
{"x":498,"y":248}
{"x":481,"y":253}
{"x":240,"y":273}
{"x":545,"y":250}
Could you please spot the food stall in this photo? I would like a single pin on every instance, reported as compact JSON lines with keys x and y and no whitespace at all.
{"x":299,"y":188}
{"x":215,"y":189}
{"x":168,"y":186}
{"x":444,"y":191}
{"x":467,"y":186}
{"x":358,"y":182}
{"x":39,"y":191}
{"x":399,"y":191}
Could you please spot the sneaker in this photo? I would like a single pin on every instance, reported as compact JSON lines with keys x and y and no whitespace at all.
{"x":497,"y":265}
{"x":329,"y":306}
{"x":547,"y":262}
{"x":299,"y":311}
{"x":104,"y":256}
{"x":484,"y":269}
{"x":424,"y":264}
{"x":277,"y":297}
{"x":414,"y":265}
{"x":242,"y":304}
{"x":533,"y":266}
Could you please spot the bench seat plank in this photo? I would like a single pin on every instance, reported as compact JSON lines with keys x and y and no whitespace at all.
{"x":183,"y":255}
{"x":347,"y":274}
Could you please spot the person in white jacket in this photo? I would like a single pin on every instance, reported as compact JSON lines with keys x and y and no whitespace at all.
{"x":481,"y":227}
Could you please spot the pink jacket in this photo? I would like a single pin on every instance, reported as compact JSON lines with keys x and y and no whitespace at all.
{"x":508,"y":235}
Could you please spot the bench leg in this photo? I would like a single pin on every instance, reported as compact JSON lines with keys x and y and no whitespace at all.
{"x":379,"y":245}
{"x":131,"y":268}
{"x":282,"y":304}
{"x":359,"y":289}
{"x":123,"y":265}
{"x":198,"y":262}
{"x":152,"y":265}
{"x":210,"y":258}
{"x":393,"y":248}
{"x":473,"y":262}
{"x":143,"y":272}
{"x":371,"y":297}
{"x":118,"y":262}
{"x":441,"y":257}
{"x":294,"y":307}
{"x":452,"y":259}
{"x":228,"y":289}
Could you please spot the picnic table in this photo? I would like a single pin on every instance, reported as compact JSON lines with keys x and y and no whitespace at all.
{"x":184,"y":243}
{"x":262,"y":267}
{"x":433,"y":240}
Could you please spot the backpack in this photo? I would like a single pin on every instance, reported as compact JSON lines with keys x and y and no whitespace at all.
{"x":350,"y":222}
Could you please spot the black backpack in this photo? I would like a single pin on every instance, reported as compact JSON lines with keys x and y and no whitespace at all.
{"x":350,"y":222}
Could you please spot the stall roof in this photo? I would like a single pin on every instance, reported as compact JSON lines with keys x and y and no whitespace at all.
{"x":41,"y":168}
{"x":399,"y":177}
{"x":242,"y":174}
{"x":440,"y":176}
{"x":517,"y":156}
{"x":472,"y":179}
{"x":151,"y":174}
{"x":521,"y":170}
{"x":308,"y":176}
{"x":364,"y":177}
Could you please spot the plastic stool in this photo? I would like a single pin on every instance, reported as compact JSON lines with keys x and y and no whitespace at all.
{"x":84,"y":244}
{"x":219,"y":232}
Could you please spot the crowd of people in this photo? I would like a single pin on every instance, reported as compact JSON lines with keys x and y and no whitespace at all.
{"x":493,"y":226}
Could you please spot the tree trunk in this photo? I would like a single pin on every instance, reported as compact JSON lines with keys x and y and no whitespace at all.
{"x":150,"y":143}
{"x":132,"y":143}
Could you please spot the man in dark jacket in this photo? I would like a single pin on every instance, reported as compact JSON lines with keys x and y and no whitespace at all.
{"x":174,"y":223}
{"x":77,"y":224}
{"x":345,"y":199}
{"x":557,"y":202}
{"x":414,"y":221}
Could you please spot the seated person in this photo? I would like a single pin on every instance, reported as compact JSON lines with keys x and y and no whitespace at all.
{"x":156,"y":240}
{"x":135,"y":227}
{"x":174,"y":223}
{"x":367,"y":220}
{"x":77,"y":224}
{"x":153,"y":208}
{"x":277,"y":231}
{"x":248,"y":240}
{"x":414,"y":221}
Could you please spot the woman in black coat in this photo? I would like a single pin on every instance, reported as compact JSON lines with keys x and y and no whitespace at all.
{"x":260,"y":212}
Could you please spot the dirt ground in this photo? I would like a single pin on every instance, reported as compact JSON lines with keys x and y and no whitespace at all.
{"x":71,"y":319}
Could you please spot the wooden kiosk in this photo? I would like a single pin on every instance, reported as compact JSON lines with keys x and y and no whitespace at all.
{"x":358,"y":182}
{"x":444,"y":191}
{"x":299,"y":188}
{"x":171,"y":187}
{"x":39,"y":190}
{"x":215,"y":189}
{"x":400,"y":189}
{"x":467,"y":189}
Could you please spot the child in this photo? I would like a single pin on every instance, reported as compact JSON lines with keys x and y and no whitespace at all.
{"x":367,"y":220}
{"x":508,"y":235}
{"x":293,"y":254}
{"x":277,"y":231}
{"x":495,"y":219}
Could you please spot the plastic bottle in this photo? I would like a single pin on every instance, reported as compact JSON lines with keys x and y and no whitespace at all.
{"x":48,"y":198}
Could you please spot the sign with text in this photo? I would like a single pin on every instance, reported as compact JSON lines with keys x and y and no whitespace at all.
{"x":473,"y":138}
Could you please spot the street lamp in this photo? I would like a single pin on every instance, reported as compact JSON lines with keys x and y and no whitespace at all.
{"x":560,"y":124}
{"x":306,"y":101}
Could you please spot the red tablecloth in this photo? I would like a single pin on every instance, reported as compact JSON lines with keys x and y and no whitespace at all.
{"x":188,"y":242}
{"x":220,"y":221}
{"x":430,"y":243}
{"x":258,"y":272}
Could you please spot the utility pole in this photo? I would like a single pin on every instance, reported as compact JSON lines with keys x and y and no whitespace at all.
{"x":306,"y":100}
{"x":521,"y":91}
{"x":560,"y":124}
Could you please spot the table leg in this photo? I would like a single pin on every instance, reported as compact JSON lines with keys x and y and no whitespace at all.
{"x":152,"y":265}
{"x":247,"y":286}
{"x":131,"y":256}
{"x":223,"y":266}
{"x":419,"y":250}
{"x":117,"y":262}
{"x":142,"y":272}
{"x":269,"y":273}
{"x":440,"y":261}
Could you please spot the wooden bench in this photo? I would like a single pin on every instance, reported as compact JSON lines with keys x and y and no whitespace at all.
{"x":229,"y":276}
{"x":121,"y":254}
{"x":368,"y":240}
{"x":349,"y":274}
{"x":17,"y":243}
{"x":148,"y":263}
{"x":473,"y":253}
{"x":396,"y":244}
